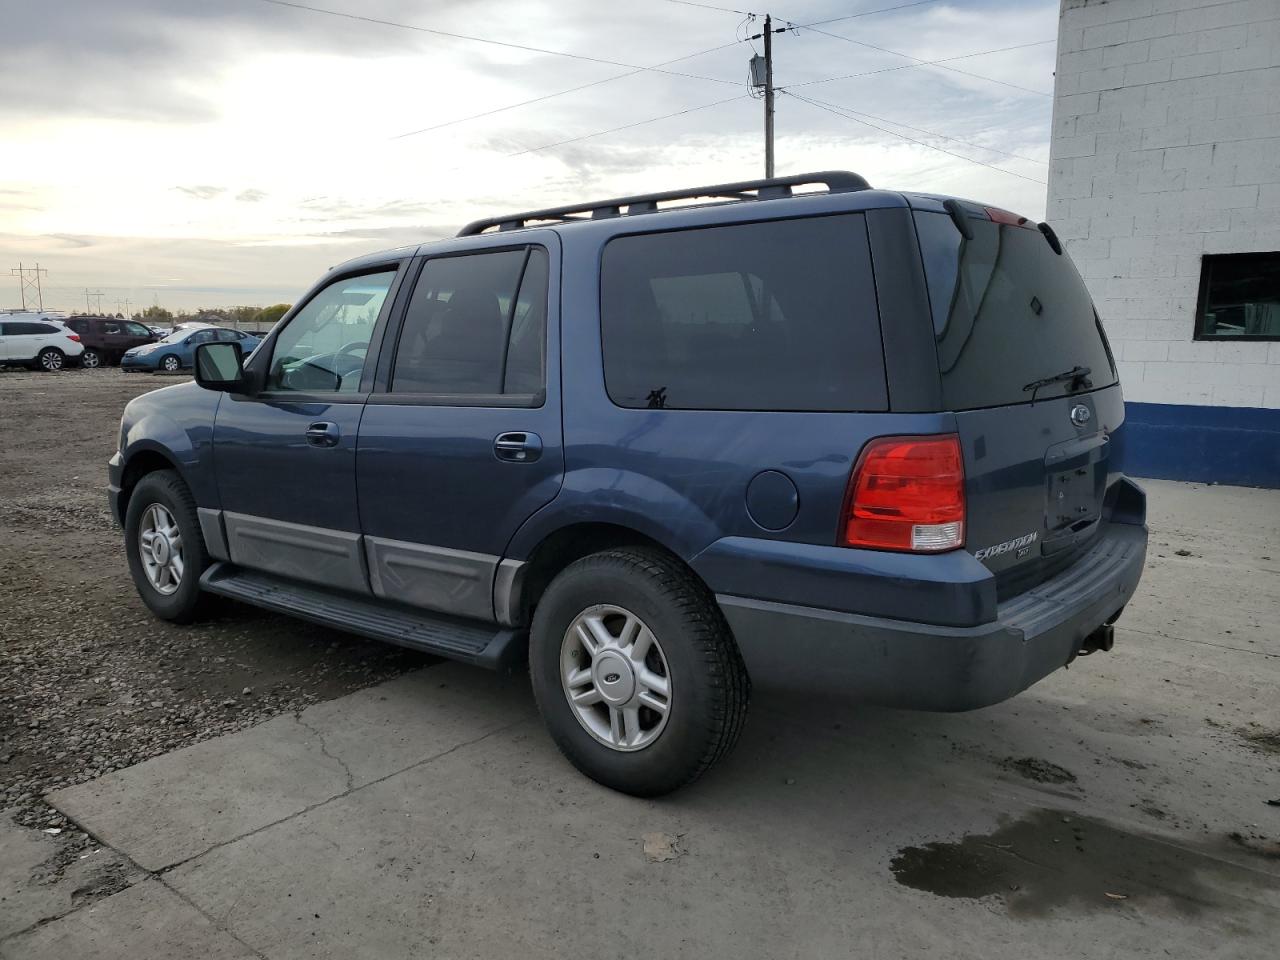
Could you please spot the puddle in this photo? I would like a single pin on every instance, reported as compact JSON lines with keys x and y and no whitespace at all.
{"x":1051,"y":860}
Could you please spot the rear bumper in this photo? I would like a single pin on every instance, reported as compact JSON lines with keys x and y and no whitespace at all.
{"x":931,"y":667}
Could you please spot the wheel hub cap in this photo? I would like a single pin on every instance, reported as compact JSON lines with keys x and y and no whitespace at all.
{"x":615,"y":677}
{"x":160,"y":548}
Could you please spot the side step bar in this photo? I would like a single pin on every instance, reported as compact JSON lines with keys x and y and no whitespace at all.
{"x":469,"y":641}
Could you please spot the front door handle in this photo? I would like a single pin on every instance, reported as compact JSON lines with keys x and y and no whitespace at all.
{"x":518,"y":447}
{"x":323,"y":434}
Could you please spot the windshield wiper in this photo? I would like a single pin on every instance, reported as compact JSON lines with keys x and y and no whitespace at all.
{"x":1077,"y":375}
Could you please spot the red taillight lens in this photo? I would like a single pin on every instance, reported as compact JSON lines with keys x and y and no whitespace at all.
{"x":907,"y":493}
{"x":74,"y":336}
{"x":1004,"y":216}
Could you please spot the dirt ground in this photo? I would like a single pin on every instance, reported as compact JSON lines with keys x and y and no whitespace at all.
{"x":90,"y":681}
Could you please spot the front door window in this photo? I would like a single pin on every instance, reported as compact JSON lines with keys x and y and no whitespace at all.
{"x":323,"y":348}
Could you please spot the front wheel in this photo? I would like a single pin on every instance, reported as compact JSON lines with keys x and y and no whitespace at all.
{"x":170,"y":364}
{"x":165,"y":547}
{"x":51,"y":360}
{"x":635,"y":671}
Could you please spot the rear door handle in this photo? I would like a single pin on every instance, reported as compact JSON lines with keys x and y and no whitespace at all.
{"x":518,"y":447}
{"x":323,"y":434}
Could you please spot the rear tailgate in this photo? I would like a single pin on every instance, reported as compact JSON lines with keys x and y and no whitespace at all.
{"x":1026,"y":369}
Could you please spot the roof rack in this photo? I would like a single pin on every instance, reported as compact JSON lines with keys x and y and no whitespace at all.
{"x":836,"y":181}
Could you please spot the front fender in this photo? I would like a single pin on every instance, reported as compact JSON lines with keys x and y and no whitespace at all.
{"x":176,"y":423}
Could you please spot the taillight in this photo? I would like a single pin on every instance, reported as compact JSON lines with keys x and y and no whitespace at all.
{"x":74,"y":336}
{"x":1004,"y":216}
{"x":907,"y":493}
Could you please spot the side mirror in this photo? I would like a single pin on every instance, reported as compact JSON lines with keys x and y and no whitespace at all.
{"x":219,"y":366}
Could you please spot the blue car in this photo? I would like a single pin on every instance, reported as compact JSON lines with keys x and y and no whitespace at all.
{"x":176,"y":351}
{"x":795,"y":433}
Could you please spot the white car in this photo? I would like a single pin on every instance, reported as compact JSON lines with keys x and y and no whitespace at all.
{"x":39,"y":343}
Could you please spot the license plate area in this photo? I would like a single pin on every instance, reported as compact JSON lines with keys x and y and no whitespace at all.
{"x":1076,"y":477}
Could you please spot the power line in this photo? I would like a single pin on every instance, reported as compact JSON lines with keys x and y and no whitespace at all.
{"x":932,"y":133}
{"x":499,"y":43}
{"x":934,"y":63}
{"x":903,"y":136}
{"x":712,"y":6}
{"x":627,"y":126}
{"x":921,"y":63}
{"x":867,"y":13}
{"x":560,"y":93}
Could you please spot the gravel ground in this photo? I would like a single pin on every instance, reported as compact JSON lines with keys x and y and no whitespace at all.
{"x":90,"y":681}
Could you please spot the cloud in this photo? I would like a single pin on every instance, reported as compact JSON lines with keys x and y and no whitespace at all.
{"x":251,"y":196}
{"x":202,"y":191}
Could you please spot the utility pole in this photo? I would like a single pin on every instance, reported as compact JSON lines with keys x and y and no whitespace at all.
{"x":29,"y":282}
{"x":768,"y":97}
{"x":98,"y":295}
{"x":762,"y":80}
{"x":125,"y":308}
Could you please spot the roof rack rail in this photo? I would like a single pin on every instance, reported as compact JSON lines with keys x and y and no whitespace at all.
{"x":836,"y":181}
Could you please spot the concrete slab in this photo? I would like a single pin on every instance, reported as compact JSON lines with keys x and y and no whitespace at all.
{"x":493,"y":851}
{"x":43,"y":877}
{"x":177,"y":806}
{"x":148,"y":920}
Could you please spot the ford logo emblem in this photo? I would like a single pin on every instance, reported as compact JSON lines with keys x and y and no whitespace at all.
{"x":1080,"y":415}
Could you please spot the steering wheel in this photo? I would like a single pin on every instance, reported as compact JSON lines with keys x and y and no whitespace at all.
{"x":352,"y":348}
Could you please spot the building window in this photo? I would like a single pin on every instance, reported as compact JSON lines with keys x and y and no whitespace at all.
{"x":1239,"y":297}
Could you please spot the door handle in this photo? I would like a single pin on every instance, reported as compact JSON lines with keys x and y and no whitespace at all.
{"x":518,"y":447}
{"x":323,"y":434}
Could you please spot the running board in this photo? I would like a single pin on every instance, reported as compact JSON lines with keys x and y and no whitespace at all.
{"x":468,"y":641}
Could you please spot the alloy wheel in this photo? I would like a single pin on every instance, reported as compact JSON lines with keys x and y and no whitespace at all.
{"x":160,"y":549}
{"x":615,"y":677}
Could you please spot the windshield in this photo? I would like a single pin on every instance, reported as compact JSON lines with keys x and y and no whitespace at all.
{"x":1007,"y":312}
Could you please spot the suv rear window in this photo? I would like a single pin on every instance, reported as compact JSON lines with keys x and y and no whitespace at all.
{"x":762,"y":316}
{"x":1007,"y":311}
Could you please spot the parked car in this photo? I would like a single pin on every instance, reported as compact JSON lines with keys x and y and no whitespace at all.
{"x":39,"y":344}
{"x":174,"y":352}
{"x":849,"y":440}
{"x":106,"y":339}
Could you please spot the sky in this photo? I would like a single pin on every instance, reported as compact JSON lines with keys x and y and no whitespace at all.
{"x":223,"y":152}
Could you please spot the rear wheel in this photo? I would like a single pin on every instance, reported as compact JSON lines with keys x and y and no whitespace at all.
{"x":635,"y":671}
{"x":91,"y":359}
{"x":51,"y":359}
{"x":170,"y":364}
{"x":164,"y":545}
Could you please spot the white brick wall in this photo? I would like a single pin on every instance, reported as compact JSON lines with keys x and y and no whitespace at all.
{"x":1166,"y":146}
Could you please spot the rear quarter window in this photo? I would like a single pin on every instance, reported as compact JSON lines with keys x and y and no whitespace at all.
{"x":1007,"y":311}
{"x":778,"y":315}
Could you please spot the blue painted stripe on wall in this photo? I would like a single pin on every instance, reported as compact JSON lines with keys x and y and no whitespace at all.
{"x":1234,"y":445}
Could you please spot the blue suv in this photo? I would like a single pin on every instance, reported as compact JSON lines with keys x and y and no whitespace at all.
{"x":794,"y":432}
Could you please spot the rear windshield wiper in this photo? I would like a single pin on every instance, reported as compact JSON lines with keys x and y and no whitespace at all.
{"x":1077,"y":375}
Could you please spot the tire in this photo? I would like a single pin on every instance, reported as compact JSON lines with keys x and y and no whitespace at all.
{"x":707,"y":683}
{"x":165,"y":489}
{"x":91,"y":360}
{"x":169,"y":363}
{"x":51,"y":360}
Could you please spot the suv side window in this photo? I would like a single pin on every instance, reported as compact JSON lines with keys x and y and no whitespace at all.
{"x":778,"y":315}
{"x":323,"y":348}
{"x":476,"y":327}
{"x":136,"y":330}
